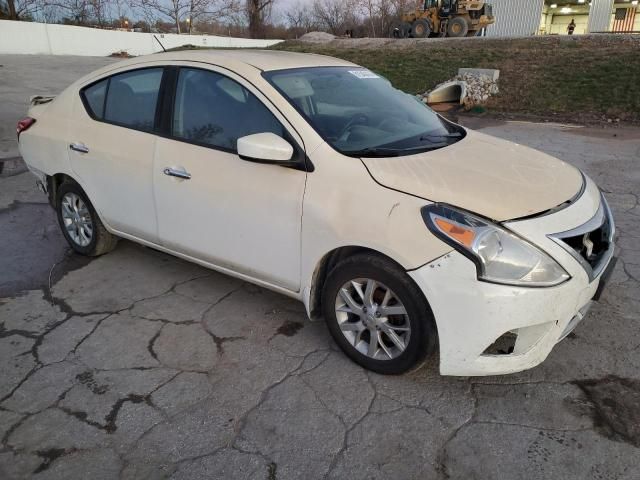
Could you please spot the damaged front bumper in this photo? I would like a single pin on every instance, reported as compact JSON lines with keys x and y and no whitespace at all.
{"x":490,"y":329}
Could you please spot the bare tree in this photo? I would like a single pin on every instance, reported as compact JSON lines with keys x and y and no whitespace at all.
{"x":378,"y":15}
{"x":20,"y":9}
{"x":179,"y":10}
{"x":334,"y":15}
{"x":76,"y":11}
{"x":100,"y":11}
{"x":258,"y":11}
{"x":300,"y":17}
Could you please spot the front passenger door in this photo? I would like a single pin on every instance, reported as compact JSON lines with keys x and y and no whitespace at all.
{"x":238,"y":215}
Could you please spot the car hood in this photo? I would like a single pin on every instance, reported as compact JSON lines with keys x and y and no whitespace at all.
{"x":483,"y":174}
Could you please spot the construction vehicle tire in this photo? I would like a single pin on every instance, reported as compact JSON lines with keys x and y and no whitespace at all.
{"x":420,"y":29}
{"x":458,"y":27}
{"x":405,"y":29}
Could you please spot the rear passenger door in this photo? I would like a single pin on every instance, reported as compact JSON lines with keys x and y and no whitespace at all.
{"x":233,"y":213}
{"x":111,"y":148}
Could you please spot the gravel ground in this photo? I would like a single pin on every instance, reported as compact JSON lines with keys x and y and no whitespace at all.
{"x":139,"y":365}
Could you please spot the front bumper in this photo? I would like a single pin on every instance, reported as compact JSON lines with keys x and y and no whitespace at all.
{"x":472,"y":315}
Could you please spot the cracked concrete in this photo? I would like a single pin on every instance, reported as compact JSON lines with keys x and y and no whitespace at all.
{"x":139,"y":365}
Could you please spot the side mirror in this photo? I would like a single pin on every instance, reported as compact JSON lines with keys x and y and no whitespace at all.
{"x":265,"y":147}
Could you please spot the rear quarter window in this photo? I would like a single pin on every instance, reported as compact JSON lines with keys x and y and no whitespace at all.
{"x":127,"y":99}
{"x":94,"y":97}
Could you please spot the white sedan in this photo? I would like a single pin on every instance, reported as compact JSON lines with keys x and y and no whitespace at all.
{"x":314,"y":177}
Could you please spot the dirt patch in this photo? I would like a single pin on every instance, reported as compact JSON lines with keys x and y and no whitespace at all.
{"x":121,"y":54}
{"x":616,"y":407}
{"x":289,"y":329}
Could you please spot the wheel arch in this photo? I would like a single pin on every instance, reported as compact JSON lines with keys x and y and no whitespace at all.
{"x":329,"y":260}
{"x":53,"y":184}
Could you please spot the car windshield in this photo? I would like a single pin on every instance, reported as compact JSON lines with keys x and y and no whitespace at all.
{"x":360,"y":113}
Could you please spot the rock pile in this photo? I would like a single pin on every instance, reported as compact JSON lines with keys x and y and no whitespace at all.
{"x":317,"y":37}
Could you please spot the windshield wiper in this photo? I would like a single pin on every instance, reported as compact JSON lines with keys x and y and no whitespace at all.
{"x":428,"y":136}
{"x":392,"y":152}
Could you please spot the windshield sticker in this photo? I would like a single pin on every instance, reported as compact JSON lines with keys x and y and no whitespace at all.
{"x":363,"y":74}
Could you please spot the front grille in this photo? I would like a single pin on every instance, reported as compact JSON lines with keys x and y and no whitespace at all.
{"x":592,"y":243}
{"x":591,"y":246}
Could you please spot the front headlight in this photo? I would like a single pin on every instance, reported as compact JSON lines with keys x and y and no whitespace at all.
{"x":499,"y":255}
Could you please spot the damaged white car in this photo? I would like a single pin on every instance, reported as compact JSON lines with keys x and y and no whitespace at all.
{"x":316,"y":178}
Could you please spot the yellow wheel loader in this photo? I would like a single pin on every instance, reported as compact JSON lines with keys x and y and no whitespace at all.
{"x":445,"y":18}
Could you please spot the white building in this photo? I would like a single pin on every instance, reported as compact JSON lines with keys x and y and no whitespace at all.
{"x":552,"y":17}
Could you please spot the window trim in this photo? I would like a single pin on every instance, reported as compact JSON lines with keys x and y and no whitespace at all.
{"x":156,"y":117}
{"x":300,"y":160}
{"x":163,"y":120}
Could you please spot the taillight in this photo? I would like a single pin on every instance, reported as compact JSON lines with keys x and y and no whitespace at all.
{"x":24,"y":125}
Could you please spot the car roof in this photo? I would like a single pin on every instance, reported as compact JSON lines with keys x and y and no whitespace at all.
{"x":264,"y":60}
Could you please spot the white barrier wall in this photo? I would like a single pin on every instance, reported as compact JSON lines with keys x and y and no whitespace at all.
{"x":52,"y":39}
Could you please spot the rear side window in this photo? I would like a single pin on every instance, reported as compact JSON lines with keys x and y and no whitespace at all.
{"x":95,"y":96}
{"x":132,"y":98}
{"x":127,"y":99}
{"x":214,"y":110}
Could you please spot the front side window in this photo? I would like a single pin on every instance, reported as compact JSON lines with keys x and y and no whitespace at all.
{"x":214,"y":110}
{"x":360,"y":113}
{"x":132,"y":98}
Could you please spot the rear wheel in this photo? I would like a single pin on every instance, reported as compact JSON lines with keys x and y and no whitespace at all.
{"x":405,"y":29}
{"x":458,"y":27}
{"x":420,"y":29}
{"x":80,"y":223}
{"x":377,"y":314}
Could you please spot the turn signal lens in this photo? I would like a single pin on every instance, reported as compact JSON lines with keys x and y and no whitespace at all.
{"x":500,"y":256}
{"x":463,"y":235}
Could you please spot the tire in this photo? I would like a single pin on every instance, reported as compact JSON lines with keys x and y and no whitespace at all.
{"x":420,"y":29}
{"x":405,"y":29}
{"x":416,"y":329}
{"x":458,"y":27}
{"x":85,"y":233}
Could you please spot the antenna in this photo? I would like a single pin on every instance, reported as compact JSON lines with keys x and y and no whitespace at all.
{"x":160,"y":43}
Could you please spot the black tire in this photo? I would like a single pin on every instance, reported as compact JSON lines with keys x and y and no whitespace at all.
{"x":458,"y":27}
{"x":405,"y":29}
{"x":423,"y":337}
{"x":101,"y":240}
{"x":420,"y":29}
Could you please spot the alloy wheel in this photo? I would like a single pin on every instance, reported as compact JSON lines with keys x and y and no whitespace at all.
{"x":77,"y":219}
{"x":372,"y":318}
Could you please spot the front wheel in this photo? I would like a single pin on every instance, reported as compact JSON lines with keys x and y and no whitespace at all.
{"x":458,"y":27}
{"x":80,"y":223}
{"x":377,"y":314}
{"x":420,"y":29}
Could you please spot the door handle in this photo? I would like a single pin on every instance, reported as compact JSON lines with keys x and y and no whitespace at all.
{"x":172,"y":172}
{"x":79,"y":147}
